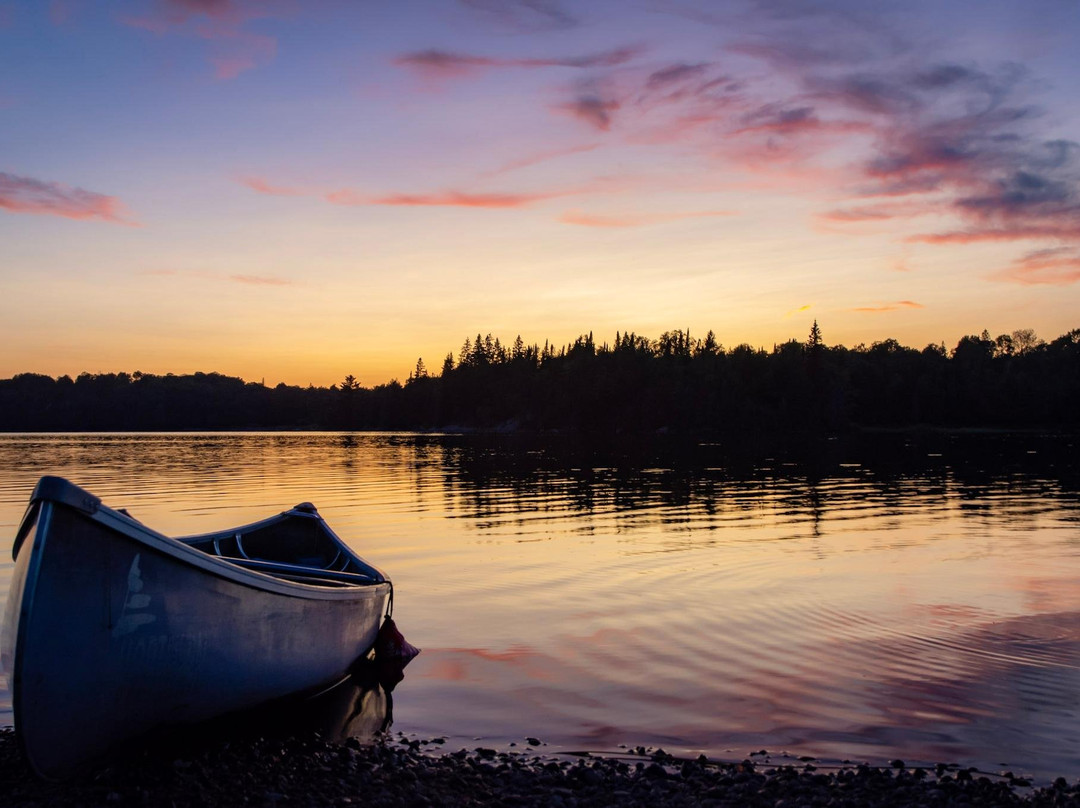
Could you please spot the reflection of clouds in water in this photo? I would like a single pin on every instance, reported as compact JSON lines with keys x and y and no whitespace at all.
{"x":984,"y":695}
{"x":1009,"y":693}
{"x":1047,"y":594}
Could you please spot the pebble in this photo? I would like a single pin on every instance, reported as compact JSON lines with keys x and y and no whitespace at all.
{"x":311,"y":772}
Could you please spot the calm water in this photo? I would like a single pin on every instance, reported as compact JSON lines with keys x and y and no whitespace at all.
{"x":921,"y":601}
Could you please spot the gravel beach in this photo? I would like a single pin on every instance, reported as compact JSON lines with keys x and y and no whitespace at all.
{"x":309,"y":771}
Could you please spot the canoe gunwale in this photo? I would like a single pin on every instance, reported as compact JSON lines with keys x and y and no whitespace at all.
{"x":59,"y":493}
{"x":225,"y":568}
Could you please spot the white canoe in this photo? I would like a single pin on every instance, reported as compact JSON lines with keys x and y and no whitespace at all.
{"x":114,"y":630}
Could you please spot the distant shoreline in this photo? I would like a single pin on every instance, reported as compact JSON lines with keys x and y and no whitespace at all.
{"x":636,"y":386}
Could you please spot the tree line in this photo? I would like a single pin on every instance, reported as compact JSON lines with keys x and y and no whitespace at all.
{"x":676,"y":383}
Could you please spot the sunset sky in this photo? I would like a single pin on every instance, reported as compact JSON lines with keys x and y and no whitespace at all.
{"x":293,"y":191}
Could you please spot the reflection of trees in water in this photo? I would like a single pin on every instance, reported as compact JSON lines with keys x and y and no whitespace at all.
{"x":889,"y":477}
{"x":508,"y":479}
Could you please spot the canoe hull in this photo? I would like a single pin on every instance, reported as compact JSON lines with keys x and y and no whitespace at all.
{"x":116,"y":634}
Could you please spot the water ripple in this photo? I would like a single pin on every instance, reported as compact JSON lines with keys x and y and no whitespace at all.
{"x":864,"y":612}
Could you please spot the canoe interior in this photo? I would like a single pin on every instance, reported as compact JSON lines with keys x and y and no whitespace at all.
{"x":294,"y":540}
{"x":296,"y":545}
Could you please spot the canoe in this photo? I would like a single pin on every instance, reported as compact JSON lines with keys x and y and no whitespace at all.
{"x":114,"y":630}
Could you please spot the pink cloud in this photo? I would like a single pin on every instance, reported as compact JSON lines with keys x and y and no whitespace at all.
{"x":593,"y":109}
{"x":965,"y":135}
{"x":238,"y":51}
{"x":783,"y":140}
{"x":1000,"y":182}
{"x":169,"y":14}
{"x":791,"y":162}
{"x":445,"y":199}
{"x":452,"y":198}
{"x":680,"y":128}
{"x":681,"y":103}
{"x":1011,"y":232}
{"x":233,"y":49}
{"x":248,"y":280}
{"x":28,"y":195}
{"x":899,"y":304}
{"x":540,"y":157}
{"x":444,"y":63}
{"x":634,"y":219}
{"x":877,"y":213}
{"x":779,"y":120}
{"x":901,"y":264}
{"x":525,"y":16}
{"x":916,"y":163}
{"x":260,"y":280}
{"x":261,"y":186}
{"x":675,"y":74}
{"x":856,"y":215}
{"x":177,"y":12}
{"x":346,"y":197}
{"x":464,"y":200}
{"x":434,"y":62}
{"x":213,"y":8}
{"x":1058,"y":266}
{"x":786,"y":141}
{"x":1018,"y":206}
{"x":795,"y":55}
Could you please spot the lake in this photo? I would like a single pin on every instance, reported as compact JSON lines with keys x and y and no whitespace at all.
{"x":902,"y":596}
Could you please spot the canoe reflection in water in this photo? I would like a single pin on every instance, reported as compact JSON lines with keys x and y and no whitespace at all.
{"x":360,"y":707}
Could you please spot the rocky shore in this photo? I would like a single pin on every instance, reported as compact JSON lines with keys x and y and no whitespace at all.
{"x":308,"y":771}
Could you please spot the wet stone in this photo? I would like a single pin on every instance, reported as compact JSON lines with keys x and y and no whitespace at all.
{"x":311,"y":772}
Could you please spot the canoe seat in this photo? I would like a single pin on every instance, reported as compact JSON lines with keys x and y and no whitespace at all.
{"x":316,"y":577}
